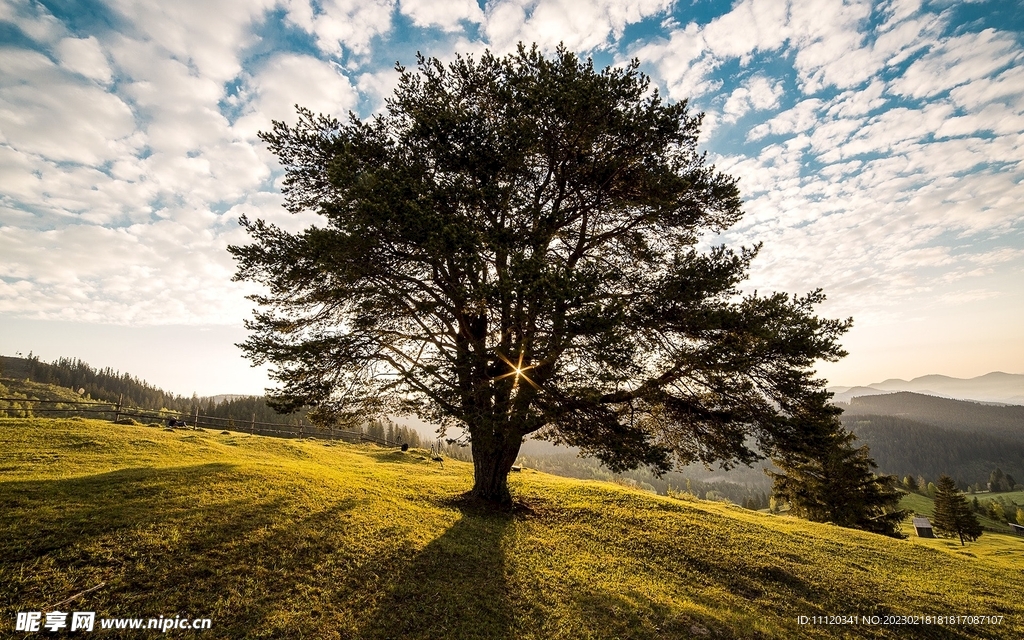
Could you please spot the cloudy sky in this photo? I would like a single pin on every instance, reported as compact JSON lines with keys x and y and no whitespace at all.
{"x":879,"y":146}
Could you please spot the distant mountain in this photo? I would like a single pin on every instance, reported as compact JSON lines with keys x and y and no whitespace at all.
{"x":998,"y":387}
{"x":955,"y":415}
{"x":845,"y":394}
{"x":914,"y":433}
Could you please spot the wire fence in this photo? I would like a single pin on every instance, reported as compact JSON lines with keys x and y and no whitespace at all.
{"x":122,"y":413}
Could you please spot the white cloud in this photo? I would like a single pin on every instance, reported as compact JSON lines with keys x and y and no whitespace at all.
{"x":681,"y":63}
{"x":801,"y":117}
{"x":1006,"y":87}
{"x":286,"y":80}
{"x":446,"y":15}
{"x":206,"y":37}
{"x":581,"y":26}
{"x":33,"y":20}
{"x":751,"y":25}
{"x":958,"y":60}
{"x":341,"y":24}
{"x":84,"y":56}
{"x":829,"y":39}
{"x":757,"y":94}
{"x":50,"y":113}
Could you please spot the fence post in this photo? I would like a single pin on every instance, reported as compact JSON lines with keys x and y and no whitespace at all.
{"x":252,"y":425}
{"x":117,"y":413}
{"x":301,"y":432}
{"x":195,"y":421}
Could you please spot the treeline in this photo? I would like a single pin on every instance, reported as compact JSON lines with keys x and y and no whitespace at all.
{"x":391,"y":432}
{"x":748,"y":495}
{"x":984,"y":498}
{"x":240,"y":411}
{"x":901,"y":447}
{"x":106,"y":384}
{"x":998,"y":482}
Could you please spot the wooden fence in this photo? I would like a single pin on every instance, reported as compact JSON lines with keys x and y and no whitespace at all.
{"x":119,"y":413}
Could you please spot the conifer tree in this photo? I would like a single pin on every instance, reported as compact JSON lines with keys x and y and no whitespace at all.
{"x":513,"y":247}
{"x":831,"y":480}
{"x":953,"y":516}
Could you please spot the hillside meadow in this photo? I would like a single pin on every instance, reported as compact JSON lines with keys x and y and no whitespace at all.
{"x":313,"y":539}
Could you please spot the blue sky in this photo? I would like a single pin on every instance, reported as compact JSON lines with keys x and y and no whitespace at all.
{"x":879,"y":146}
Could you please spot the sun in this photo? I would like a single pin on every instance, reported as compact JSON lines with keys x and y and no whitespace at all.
{"x":518,"y":370}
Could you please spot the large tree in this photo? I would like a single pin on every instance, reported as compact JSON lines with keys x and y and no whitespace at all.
{"x":953,"y":515}
{"x":513,"y":246}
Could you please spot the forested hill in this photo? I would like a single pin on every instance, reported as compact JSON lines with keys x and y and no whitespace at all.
{"x":1006,"y":422}
{"x":915,"y":434}
{"x":99,"y":384}
{"x":905,"y":447}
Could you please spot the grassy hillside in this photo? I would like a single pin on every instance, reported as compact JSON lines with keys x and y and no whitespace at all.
{"x":288,"y":538}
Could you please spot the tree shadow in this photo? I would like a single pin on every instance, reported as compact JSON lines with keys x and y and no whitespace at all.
{"x":196,"y":541}
{"x":455,"y":587}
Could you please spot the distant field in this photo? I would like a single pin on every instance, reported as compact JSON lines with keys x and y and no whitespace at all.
{"x":286,"y":539}
{"x":926,"y":506}
{"x":1010,"y":496}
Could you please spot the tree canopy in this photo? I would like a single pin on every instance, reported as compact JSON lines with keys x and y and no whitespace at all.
{"x":513,"y":247}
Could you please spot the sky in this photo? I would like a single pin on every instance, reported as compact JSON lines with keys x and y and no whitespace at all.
{"x":879,"y":148}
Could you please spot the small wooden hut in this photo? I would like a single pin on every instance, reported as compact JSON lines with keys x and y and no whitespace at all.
{"x":923,"y":528}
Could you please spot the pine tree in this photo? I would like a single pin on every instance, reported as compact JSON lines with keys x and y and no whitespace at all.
{"x":953,"y":516}
{"x":997,"y":481}
{"x":832,"y":481}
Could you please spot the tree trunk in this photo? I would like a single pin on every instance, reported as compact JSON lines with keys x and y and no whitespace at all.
{"x":493,"y":458}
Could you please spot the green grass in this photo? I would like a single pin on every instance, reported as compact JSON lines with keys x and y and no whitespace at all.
{"x":925,"y":506}
{"x":1016,"y":497}
{"x":310,"y":539}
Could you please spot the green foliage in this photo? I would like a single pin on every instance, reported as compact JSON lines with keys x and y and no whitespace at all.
{"x":952,"y":515}
{"x":99,"y":384}
{"x":831,"y":480}
{"x":269,"y":536}
{"x":909,"y":483}
{"x":905,"y":446}
{"x":390,"y":432}
{"x":999,"y":481}
{"x":996,"y":510}
{"x":512,"y":246}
